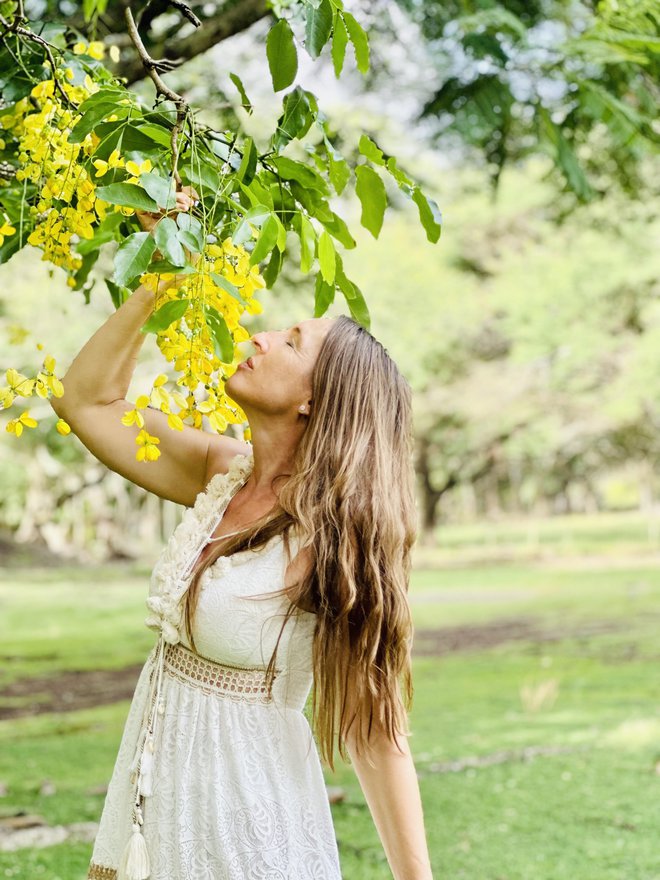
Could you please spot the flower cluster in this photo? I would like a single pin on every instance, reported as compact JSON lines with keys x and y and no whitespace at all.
{"x":65,"y":209}
{"x":43,"y":385}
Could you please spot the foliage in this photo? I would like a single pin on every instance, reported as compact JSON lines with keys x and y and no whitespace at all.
{"x":575,"y":80}
{"x":105,"y":155}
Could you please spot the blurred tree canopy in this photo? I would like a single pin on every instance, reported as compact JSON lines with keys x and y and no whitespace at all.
{"x":576,"y":80}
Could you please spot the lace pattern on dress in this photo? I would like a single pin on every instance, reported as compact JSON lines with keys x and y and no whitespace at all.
{"x":235,"y":682}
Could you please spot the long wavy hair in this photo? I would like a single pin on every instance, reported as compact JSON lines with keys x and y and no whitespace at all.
{"x":351,"y":498}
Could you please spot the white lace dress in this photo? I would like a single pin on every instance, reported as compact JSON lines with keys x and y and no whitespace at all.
{"x":214,"y":780}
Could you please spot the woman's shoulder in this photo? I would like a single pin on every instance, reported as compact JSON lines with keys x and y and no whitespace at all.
{"x":231,"y":463}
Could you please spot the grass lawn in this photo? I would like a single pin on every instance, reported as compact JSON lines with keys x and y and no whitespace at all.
{"x":538,"y":758}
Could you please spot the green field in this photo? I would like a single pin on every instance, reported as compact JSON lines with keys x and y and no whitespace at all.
{"x":536,"y":721}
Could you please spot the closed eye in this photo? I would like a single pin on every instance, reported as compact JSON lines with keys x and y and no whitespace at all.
{"x":291,"y":344}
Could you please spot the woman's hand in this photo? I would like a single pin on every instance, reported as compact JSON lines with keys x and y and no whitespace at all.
{"x":184,"y":201}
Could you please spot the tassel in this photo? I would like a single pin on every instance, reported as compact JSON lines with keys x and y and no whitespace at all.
{"x":146,"y":768}
{"x":134,"y":863}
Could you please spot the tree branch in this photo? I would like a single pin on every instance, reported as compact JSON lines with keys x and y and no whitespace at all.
{"x":220,"y":27}
{"x":152,"y":67}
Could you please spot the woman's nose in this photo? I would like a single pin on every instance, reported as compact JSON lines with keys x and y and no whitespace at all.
{"x":259,"y":339}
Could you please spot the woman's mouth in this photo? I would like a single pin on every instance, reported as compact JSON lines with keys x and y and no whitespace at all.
{"x":247,"y":365}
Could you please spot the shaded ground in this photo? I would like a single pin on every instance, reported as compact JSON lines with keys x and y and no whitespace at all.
{"x":473,"y":637}
{"x":66,"y":691}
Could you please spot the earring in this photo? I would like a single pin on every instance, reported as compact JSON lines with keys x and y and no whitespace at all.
{"x":301,"y":408}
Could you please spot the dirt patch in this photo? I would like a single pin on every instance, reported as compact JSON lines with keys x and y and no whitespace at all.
{"x":67,"y":691}
{"x":475,"y":637}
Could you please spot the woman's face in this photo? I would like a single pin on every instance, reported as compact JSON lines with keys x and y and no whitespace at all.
{"x":278,"y":379}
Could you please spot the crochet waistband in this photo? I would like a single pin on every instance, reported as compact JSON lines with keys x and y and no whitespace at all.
{"x":245,"y":683}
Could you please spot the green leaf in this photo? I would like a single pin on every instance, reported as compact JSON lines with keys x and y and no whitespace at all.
{"x":189,"y":240}
{"x":290,"y":169}
{"x":282,"y":55}
{"x":307,"y":236}
{"x":82,"y":273}
{"x":281,"y":234}
{"x":273,"y":268}
{"x":258,"y":194}
{"x":248,"y":166}
{"x":565,"y":157}
{"x":429,"y":214}
{"x":318,"y":25}
{"x":167,"y":241}
{"x":105,"y":95}
{"x":324,"y":296}
{"x":128,"y":195}
{"x":156,"y":133}
{"x":327,"y":257}
{"x":166,"y":315}
{"x":370,"y":151}
{"x":339,"y":230}
{"x":339,"y":43}
{"x":228,"y":287}
{"x":161,"y":189}
{"x":163,"y":266}
{"x":246,"y":104}
{"x":203,"y":176}
{"x":118,"y":294}
{"x":90,"y":120}
{"x":370,"y":190}
{"x":338,"y":170}
{"x":266,"y":241}
{"x":360,"y":42}
{"x":223,"y":343}
{"x":400,"y":176}
{"x":256,"y":217}
{"x":353,"y":296}
{"x":133,"y":256}
{"x":121,"y":135}
{"x":296,"y":118}
{"x":190,"y":225}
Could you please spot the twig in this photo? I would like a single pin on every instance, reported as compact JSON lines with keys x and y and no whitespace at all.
{"x":152,"y":67}
{"x":185,"y":10}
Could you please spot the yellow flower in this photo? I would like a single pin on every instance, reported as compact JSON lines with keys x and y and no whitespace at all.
{"x":148,"y":450}
{"x":80,"y":49}
{"x":114,"y":53}
{"x":63,"y":427}
{"x":18,"y":383}
{"x":175,"y":422}
{"x":114,"y":161}
{"x":7,"y":397}
{"x":15,"y":426}
{"x":5,"y":231}
{"x":142,"y":402}
{"x":132,"y":417}
{"x":96,"y":50}
{"x":135,"y":169}
{"x":43,"y":89}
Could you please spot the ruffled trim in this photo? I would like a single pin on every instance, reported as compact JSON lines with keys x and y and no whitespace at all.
{"x":173,"y":568}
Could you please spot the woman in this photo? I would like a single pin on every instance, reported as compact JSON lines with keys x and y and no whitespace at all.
{"x":287,"y":574}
